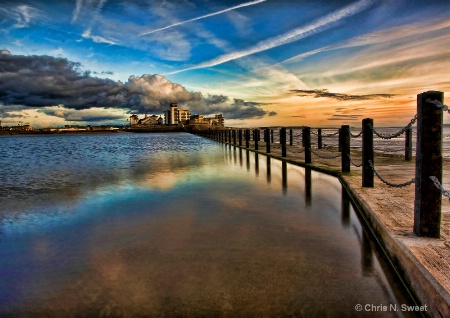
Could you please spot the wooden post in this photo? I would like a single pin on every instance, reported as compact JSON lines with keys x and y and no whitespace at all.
{"x":247,"y":138}
{"x":408,"y":144}
{"x":267,"y":135}
{"x":307,"y":143}
{"x":319,"y":138}
{"x":345,"y":148}
{"x":283,"y":141}
{"x":256,"y":135}
{"x":367,"y":136}
{"x":240,"y":137}
{"x":234,"y":137}
{"x":291,"y":137}
{"x":427,"y":203}
{"x":271,"y":135}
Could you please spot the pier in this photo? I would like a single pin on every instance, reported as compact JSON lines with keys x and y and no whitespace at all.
{"x":395,"y":195}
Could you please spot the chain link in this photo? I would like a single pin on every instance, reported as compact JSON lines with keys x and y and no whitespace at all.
{"x":444,"y":192}
{"x":295,"y":151}
{"x":353,"y":162}
{"x":357,"y":135}
{"x":331,"y":135}
{"x":402,"y":131}
{"x":324,"y":157}
{"x":439,"y":105}
{"x":400,"y":185}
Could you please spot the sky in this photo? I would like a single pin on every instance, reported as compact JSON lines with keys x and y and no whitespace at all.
{"x":258,"y":62}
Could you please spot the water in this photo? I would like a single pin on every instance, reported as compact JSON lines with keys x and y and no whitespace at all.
{"x":174,"y":224}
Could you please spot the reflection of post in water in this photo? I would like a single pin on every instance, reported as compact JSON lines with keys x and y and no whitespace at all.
{"x":240,"y":157}
{"x":268,"y":170}
{"x":284,"y":176}
{"x":345,"y":207}
{"x":234,"y":155}
{"x":247,"y":157}
{"x":308,"y":186}
{"x":366,"y":254}
{"x":256,"y":163}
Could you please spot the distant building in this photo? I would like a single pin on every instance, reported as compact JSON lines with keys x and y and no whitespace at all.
{"x":218,"y":120}
{"x":146,"y":121}
{"x":175,"y":116}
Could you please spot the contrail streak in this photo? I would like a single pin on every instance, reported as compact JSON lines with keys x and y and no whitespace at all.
{"x":294,"y":35}
{"x":206,"y":16}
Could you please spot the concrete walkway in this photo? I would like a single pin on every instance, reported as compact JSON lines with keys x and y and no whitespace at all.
{"x":423,"y":263}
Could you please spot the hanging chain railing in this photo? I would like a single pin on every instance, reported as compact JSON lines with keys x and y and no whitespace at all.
{"x":331,"y":135}
{"x":400,"y":185}
{"x":324,"y":157}
{"x":444,"y":192}
{"x":401,"y":132}
{"x":357,"y":135}
{"x":290,"y":150}
{"x":388,"y":150}
{"x":439,"y":105}
{"x":353,"y":163}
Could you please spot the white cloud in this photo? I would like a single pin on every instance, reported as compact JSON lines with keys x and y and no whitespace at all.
{"x":294,"y":35}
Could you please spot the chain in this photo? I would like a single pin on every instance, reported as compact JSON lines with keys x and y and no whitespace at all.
{"x":444,"y":192}
{"x":357,"y":135}
{"x":331,"y":135}
{"x":324,"y":157}
{"x":389,"y":150}
{"x":295,"y":151}
{"x":383,"y":136}
{"x":353,"y":162}
{"x":439,"y":105}
{"x":388,"y":183}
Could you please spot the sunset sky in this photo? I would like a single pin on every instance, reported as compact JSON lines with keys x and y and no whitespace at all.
{"x":260,"y":62}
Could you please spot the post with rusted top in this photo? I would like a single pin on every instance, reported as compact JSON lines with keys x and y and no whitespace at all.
{"x":345,"y":148}
{"x":319,"y":138}
{"x":367,"y":154}
{"x":267,"y":137}
{"x":283,"y":141}
{"x":247,"y":138}
{"x":408,"y":144}
{"x":307,"y":143}
{"x":240,"y":137}
{"x":291,"y":137}
{"x":256,"y":136}
{"x":427,"y":203}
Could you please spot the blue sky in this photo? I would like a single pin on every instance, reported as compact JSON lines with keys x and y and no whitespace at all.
{"x":260,"y":62}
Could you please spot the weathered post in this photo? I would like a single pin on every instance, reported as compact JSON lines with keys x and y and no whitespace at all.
{"x":247,"y":138}
{"x":345,"y":148}
{"x":427,"y":203}
{"x":267,"y":136}
{"x":307,"y":143}
{"x":256,"y":137}
{"x":291,"y":137}
{"x":234,"y":137}
{"x":240,"y":137}
{"x":283,"y":141}
{"x":271,"y":135}
{"x":408,"y":144}
{"x":319,"y":138}
{"x":367,"y":154}
{"x":339,"y":139}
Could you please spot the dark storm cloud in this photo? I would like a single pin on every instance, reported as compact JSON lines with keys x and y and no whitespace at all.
{"x":317,"y":93}
{"x":272,"y":114}
{"x":75,"y":115}
{"x":49,"y":81}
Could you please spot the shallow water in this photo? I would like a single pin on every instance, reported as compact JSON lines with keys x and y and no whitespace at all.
{"x":174,"y":224}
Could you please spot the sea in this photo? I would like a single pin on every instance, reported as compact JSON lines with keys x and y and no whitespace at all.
{"x":173,"y":224}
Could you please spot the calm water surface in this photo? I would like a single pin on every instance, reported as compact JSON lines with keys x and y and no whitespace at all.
{"x":174,"y":224}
